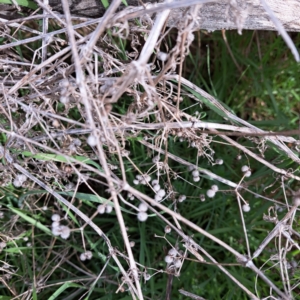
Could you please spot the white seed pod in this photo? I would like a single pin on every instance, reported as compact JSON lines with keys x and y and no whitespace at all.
{"x":55,"y":217}
{"x":132,"y":244}
{"x":28,"y":244}
{"x":147,"y":178}
{"x":247,"y":174}
{"x":92,"y":141}
{"x":214,"y":188}
{"x":55,"y":224}
{"x":55,"y":123}
{"x":56,"y":231}
{"x":64,"y":83}
{"x":155,"y":182}
{"x":202,"y":197}
{"x":108,"y":209}
{"x":88,"y":254}
{"x":244,"y":169}
{"x":45,"y":207}
{"x":21,"y":177}
{"x":64,"y":99}
{"x":136,"y":182}
{"x":193,"y":144}
{"x":210,"y":193}
{"x":296,"y":201}
{"x":155,"y":159}
{"x":172,"y":252}
{"x":25,"y":239}
{"x":147,"y":276}
{"x":177,"y":263}
{"x":191,"y":168}
{"x":167,"y":229}
{"x":162,"y":56}
{"x":2,"y":245}
{"x":143,"y":207}
{"x":17,"y":183}
{"x":143,"y":181}
{"x":196,"y":179}
{"x":77,"y":142}
{"x":101,"y":209}
{"x":161,"y":193}
{"x":156,"y":187}
{"x":65,"y":232}
{"x":142,"y":216}
{"x":139,"y":177}
{"x":219,"y":161}
{"x":82,"y":257}
{"x":195,"y":173}
{"x":181,"y":198}
{"x":246,"y":208}
{"x":157,"y":198}
{"x":168,"y":259}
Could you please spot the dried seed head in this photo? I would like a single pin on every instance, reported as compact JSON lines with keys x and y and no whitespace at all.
{"x":136,"y":182}
{"x":101,"y":209}
{"x":162,"y":56}
{"x":181,"y":198}
{"x":168,"y":259}
{"x":155,"y":159}
{"x":2,"y":245}
{"x":156,"y":187}
{"x":17,"y":183}
{"x":108,"y":209}
{"x":88,"y":254}
{"x":244,"y":169}
{"x":92,"y":141}
{"x":55,"y":217}
{"x":173,"y":252}
{"x":157,"y":198}
{"x":167,"y":229}
{"x":147,"y":276}
{"x":65,"y":232}
{"x":155,"y":182}
{"x":143,"y":207}
{"x":196,"y":179}
{"x":195,"y":173}
{"x":177,"y":263}
{"x":82,"y":257}
{"x":161,"y":193}
{"x":246,"y":207}
{"x":64,"y":99}
{"x":296,"y":201}
{"x":55,"y":123}
{"x":219,"y":161}
{"x":55,"y":224}
{"x":210,"y":193}
{"x":142,"y":216}
{"x":214,"y":188}
{"x":247,"y":174}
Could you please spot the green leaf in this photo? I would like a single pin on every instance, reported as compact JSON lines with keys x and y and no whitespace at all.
{"x":26,"y":3}
{"x":63,"y":288}
{"x":60,"y":158}
{"x":30,"y":220}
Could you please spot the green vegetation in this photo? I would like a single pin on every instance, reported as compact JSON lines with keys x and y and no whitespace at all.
{"x":224,"y":180}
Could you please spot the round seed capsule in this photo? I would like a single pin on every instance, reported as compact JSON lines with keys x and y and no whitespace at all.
{"x":246,"y":207}
{"x":210,"y":193}
{"x":244,"y":169}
